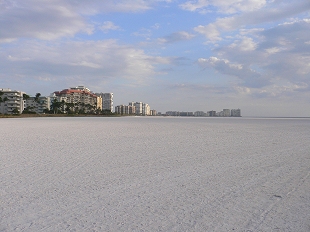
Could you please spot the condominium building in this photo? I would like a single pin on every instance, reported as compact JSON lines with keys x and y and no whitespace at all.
{"x":80,"y":96}
{"x":122,"y":109}
{"x":11,"y":101}
{"x":137,"y":108}
{"x":153,"y":112}
{"x":235,"y":113}
{"x":38,"y":105}
{"x":146,"y":109}
{"x":200,"y":114}
{"x":107,"y":101}
{"x":211,"y":113}
{"x":226,"y":112}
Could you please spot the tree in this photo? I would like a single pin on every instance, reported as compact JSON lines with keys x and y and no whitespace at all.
{"x":15,"y":111}
{"x":26,"y":96}
{"x":36,"y":98}
{"x":29,"y":110}
{"x":1,"y":93}
{"x":55,"y":106}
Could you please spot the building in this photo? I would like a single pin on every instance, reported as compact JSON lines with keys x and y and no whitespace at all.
{"x":38,"y":105}
{"x":226,"y":112}
{"x":125,"y":110}
{"x":235,"y":113}
{"x":136,"y":108}
{"x":200,"y":114}
{"x":81,"y":99}
{"x":107,"y":101}
{"x":211,"y":113}
{"x":153,"y":112}
{"x":146,"y":109}
{"x":173,"y":113}
{"x":11,"y":101}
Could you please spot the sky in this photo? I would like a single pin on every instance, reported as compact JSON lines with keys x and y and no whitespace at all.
{"x":197,"y":55}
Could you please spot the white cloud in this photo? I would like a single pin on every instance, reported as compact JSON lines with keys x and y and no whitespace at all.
{"x":44,"y":20}
{"x":247,"y":76}
{"x":245,"y":44}
{"x":49,"y":20}
{"x":210,"y":31}
{"x":224,"y":6}
{"x":92,"y":60}
{"x":273,"y":12}
{"x":108,"y":25}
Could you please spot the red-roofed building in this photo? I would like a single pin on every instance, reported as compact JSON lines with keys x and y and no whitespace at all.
{"x":81,"y":97}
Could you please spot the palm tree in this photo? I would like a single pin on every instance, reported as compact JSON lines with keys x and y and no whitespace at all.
{"x":1,"y":93}
{"x":25,"y":96}
{"x":56,"y":105}
{"x":36,"y":98}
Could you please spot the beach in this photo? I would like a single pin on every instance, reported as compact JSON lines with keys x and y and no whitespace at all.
{"x":155,"y":174}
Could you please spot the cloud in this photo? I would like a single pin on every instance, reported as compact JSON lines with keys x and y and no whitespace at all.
{"x":248,"y":76}
{"x":43,"y":20}
{"x":94,"y":61}
{"x":176,"y":37}
{"x":224,"y":6}
{"x":210,"y":31}
{"x":245,"y":44}
{"x":108,"y":25}
{"x":274,"y":12}
{"x":50,"y":20}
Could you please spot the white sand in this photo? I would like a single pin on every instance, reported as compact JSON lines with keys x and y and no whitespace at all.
{"x":154,"y":174}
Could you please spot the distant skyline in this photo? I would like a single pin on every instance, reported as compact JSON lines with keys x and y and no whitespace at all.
{"x":197,"y":55}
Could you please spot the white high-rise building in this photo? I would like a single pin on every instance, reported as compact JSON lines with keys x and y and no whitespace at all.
{"x":146,"y":109}
{"x":139,"y":106}
{"x":107,"y":101}
{"x":235,"y":113}
{"x":11,"y":101}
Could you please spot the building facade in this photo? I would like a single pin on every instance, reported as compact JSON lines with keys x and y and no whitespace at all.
{"x":38,"y":105}
{"x":81,"y":98}
{"x":107,"y":101}
{"x":11,"y":101}
{"x":135,"y":108}
{"x":235,"y":113}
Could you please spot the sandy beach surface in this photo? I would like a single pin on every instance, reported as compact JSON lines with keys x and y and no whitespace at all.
{"x":154,"y":174}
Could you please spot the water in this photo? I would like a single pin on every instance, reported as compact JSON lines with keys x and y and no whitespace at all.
{"x":154,"y":174}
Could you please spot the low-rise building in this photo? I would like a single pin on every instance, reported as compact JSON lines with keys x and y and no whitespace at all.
{"x":11,"y":101}
{"x":38,"y":105}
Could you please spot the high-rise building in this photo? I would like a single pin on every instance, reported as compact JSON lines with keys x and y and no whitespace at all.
{"x":235,"y":113}
{"x":137,"y":108}
{"x":211,"y":113}
{"x":107,"y":101}
{"x":226,"y":112}
{"x":11,"y":101}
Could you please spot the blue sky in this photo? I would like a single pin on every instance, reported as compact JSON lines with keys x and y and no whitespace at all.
{"x":173,"y":55}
